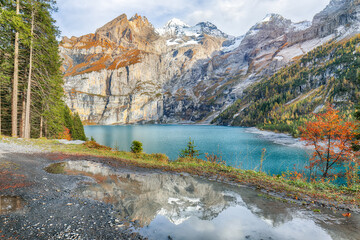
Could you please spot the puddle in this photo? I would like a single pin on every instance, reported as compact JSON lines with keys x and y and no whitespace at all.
{"x":167,"y":206}
{"x":10,"y":204}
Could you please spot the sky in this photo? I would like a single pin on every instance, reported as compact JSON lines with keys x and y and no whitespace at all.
{"x":234,"y":17}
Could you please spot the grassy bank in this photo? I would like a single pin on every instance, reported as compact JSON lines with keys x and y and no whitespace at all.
{"x":287,"y":187}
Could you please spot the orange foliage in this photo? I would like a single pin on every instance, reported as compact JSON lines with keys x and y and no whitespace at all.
{"x":332,"y":139}
{"x":87,"y":67}
{"x":65,"y":134}
{"x":88,"y":41}
{"x":130,"y":57}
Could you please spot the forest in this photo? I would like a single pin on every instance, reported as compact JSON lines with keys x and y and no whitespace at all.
{"x":284,"y":102}
{"x":31,"y":86}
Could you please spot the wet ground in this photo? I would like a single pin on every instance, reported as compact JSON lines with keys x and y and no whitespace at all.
{"x":35,"y":204}
{"x":47,"y":196}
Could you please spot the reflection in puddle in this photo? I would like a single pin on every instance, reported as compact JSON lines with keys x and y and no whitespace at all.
{"x":10,"y":204}
{"x":184,"y":207}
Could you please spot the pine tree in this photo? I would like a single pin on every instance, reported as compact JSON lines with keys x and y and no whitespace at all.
{"x":40,"y":81}
{"x":79,"y":133}
{"x":68,"y":120}
{"x":190,"y":150}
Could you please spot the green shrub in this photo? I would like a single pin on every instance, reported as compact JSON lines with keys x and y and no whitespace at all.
{"x":190,"y":150}
{"x":136,"y":147}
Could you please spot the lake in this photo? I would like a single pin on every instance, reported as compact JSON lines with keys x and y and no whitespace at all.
{"x":239,"y":147}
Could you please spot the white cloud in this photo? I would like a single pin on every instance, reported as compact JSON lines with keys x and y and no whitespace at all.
{"x":232,"y":16}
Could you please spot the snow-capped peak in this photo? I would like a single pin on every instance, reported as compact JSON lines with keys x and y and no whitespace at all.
{"x":272,"y":16}
{"x":209,"y":29}
{"x":177,"y":28}
{"x":175,"y":22}
{"x":173,"y":27}
{"x":272,"y":19}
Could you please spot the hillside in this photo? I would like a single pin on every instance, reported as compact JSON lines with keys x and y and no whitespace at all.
{"x":328,"y":74}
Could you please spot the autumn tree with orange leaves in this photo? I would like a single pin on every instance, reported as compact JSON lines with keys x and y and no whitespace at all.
{"x":332,"y":138}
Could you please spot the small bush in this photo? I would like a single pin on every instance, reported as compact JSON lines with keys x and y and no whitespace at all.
{"x":160,"y":157}
{"x":95,"y":145}
{"x":65,"y":134}
{"x":136,"y":147}
{"x":190,"y":160}
{"x":215,"y":159}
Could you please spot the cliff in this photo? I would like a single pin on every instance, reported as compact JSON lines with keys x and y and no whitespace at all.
{"x":117,"y":75}
{"x":129,"y":72}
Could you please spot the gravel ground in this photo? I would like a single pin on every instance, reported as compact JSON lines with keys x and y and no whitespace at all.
{"x":45,"y":208}
{"x":7,"y":145}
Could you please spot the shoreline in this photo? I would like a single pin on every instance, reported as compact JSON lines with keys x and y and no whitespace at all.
{"x":303,"y":193}
{"x":284,"y":139}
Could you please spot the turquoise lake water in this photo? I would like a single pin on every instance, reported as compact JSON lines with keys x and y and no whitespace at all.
{"x":239,"y":147}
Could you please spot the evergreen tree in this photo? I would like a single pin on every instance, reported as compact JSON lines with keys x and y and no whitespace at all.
{"x":136,"y":147}
{"x":41,"y":110}
{"x":190,"y":150}
{"x":68,"y":119}
{"x":78,"y":131}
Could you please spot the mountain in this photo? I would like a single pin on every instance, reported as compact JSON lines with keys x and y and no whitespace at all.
{"x":177,"y":28}
{"x":117,"y":75}
{"x":130,"y":72}
{"x":327,"y":74}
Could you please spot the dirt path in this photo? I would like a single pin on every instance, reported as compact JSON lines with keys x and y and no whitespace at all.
{"x":37,"y":205}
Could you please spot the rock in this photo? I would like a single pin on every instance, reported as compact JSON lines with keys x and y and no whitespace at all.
{"x":129,"y":72}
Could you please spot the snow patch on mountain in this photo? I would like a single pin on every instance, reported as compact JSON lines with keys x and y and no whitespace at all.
{"x":301,"y":26}
{"x":296,"y":50}
{"x":180,"y":42}
{"x":231,"y":44}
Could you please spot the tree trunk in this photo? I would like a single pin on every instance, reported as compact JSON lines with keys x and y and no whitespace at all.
{"x":41,"y":126}
{"x":14,"y":102}
{"x":28,"y":93}
{"x":45,"y":128}
{"x":22,"y":119}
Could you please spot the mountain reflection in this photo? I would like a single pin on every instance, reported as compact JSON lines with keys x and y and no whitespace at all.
{"x":142,"y":197}
{"x":190,"y":208}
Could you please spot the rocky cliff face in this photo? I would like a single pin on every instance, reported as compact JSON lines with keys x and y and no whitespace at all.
{"x":129,"y":72}
{"x":117,"y":75}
